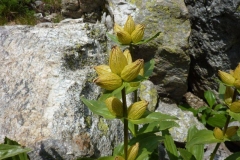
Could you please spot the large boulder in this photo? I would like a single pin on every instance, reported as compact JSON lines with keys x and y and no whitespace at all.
{"x":44,"y":71}
{"x":169,"y":48}
{"x":214,"y":41}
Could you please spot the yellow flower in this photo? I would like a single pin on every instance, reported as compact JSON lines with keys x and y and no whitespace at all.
{"x":131,"y":71}
{"x":226,"y":78}
{"x":129,"y":26}
{"x":109,"y":81}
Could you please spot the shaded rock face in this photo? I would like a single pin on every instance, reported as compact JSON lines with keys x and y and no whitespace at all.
{"x":90,"y":10}
{"x":169,"y":48}
{"x":214,"y":41}
{"x":44,"y":71}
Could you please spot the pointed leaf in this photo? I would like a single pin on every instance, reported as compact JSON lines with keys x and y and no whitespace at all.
{"x":149,"y":39}
{"x":186,"y":155}
{"x":235,"y":156}
{"x":147,"y":144}
{"x":203,"y":137}
{"x":150,"y":117}
{"x":235,"y":116}
{"x":116,"y":93}
{"x":209,"y":96}
{"x":7,"y":150}
{"x":198,"y":149}
{"x":118,"y":150}
{"x":113,"y":38}
{"x":98,"y":107}
{"x":217,"y":120}
{"x":157,"y":126}
{"x":148,"y":68}
{"x":170,"y":145}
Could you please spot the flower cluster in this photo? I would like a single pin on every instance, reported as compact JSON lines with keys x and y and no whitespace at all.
{"x":120,"y":68}
{"x":130,"y":32}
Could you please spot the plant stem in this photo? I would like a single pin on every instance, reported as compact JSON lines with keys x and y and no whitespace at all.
{"x":225,"y":126}
{"x":125,"y":122}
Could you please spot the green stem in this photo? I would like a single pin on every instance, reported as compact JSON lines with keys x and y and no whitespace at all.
{"x":225,"y":126}
{"x":125,"y":122}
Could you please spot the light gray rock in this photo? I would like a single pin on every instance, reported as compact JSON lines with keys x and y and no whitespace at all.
{"x":44,"y":70}
{"x":185,"y":120}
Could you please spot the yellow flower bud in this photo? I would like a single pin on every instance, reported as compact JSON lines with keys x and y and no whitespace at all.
{"x":231,"y":131}
{"x":226,"y":78}
{"x":117,"y":28}
{"x":237,"y":84}
{"x":102,"y":69}
{"x":236,"y":72}
{"x":129,"y":26}
{"x":109,"y":81}
{"x":117,"y":60}
{"x":131,"y":71}
{"x":141,"y":72}
{"x":138,"y":33}
{"x":137,"y":109}
{"x":235,"y":107}
{"x":114,"y":106}
{"x":228,"y":95}
{"x":119,"y":158}
{"x":218,"y":133}
{"x":127,"y":54}
{"x":124,"y":37}
{"x":133,"y":152}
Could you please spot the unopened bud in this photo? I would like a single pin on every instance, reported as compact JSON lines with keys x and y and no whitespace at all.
{"x":236,"y":73}
{"x":228,"y":95}
{"x":117,"y":60}
{"x":138,"y":33}
{"x":226,"y":78}
{"x":137,"y":109}
{"x":133,"y":152}
{"x":237,"y":84}
{"x":129,"y":26}
{"x":102,"y":69}
{"x":235,"y":107}
{"x":131,"y":71}
{"x":117,"y":28}
{"x":124,"y":37}
{"x":114,"y":106}
{"x":231,"y":131}
{"x":109,"y":81}
{"x":218,"y":133}
{"x":127,"y":54}
{"x":141,"y":72}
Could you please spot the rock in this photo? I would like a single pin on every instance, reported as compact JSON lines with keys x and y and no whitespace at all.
{"x":148,"y":92}
{"x":169,"y":48}
{"x":90,"y":10}
{"x":186,"y":120}
{"x":44,"y":71}
{"x":214,"y":42}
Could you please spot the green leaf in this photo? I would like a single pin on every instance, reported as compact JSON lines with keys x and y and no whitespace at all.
{"x":107,"y":158}
{"x":198,"y":149}
{"x":98,"y":107}
{"x":149,"y":39}
{"x":131,"y":86}
{"x":147,"y":144}
{"x":132,"y":129}
{"x":186,"y":107}
{"x":115,"y":93}
{"x":235,"y":116}
{"x":202,"y":137}
{"x":157,"y":126}
{"x":186,"y":155}
{"x":118,"y":150}
{"x":148,"y":68}
{"x":7,"y":151}
{"x":170,"y":145}
{"x":235,"y":156}
{"x":217,"y":120}
{"x":209,"y":96}
{"x":150,"y":117}
{"x":113,"y":38}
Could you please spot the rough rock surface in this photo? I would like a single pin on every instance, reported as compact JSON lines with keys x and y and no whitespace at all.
{"x":44,"y":70}
{"x":168,"y":49}
{"x":89,"y":10}
{"x":214,"y":41}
